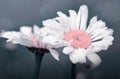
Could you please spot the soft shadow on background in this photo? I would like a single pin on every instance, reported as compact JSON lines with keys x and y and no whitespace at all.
{"x":16,"y":62}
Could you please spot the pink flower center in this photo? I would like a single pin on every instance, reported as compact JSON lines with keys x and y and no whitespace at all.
{"x":78,"y":38}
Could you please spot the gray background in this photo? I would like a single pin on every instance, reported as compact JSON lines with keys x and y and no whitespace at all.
{"x":16,"y":62}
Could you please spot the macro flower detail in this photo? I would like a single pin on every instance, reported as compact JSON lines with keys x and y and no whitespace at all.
{"x":81,"y":41}
{"x":31,"y":38}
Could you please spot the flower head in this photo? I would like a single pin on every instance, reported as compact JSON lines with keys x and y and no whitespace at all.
{"x":31,"y":38}
{"x":81,"y":41}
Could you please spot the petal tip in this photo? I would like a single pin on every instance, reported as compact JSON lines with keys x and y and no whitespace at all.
{"x":84,"y":7}
{"x":35,"y":25}
{"x":55,"y":54}
{"x":58,"y":12}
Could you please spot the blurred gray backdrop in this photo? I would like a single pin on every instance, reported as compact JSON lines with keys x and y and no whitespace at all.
{"x":16,"y":62}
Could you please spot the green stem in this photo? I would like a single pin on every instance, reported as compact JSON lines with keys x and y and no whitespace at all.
{"x":73,"y":71}
{"x":38,"y":60}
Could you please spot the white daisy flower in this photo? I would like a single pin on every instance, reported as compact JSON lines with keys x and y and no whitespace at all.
{"x":29,"y":37}
{"x":81,"y":41}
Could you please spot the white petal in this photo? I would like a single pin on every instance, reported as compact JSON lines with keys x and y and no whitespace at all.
{"x":50,"y":23}
{"x":92,"y":21}
{"x":94,"y":49}
{"x":94,"y":58}
{"x":79,"y":18}
{"x":108,"y":32}
{"x":53,"y":25}
{"x":72,"y":18}
{"x":36,"y":30}
{"x":44,"y":31}
{"x":67,"y":50}
{"x":11,"y":36}
{"x":107,"y":41}
{"x":98,"y":43}
{"x":78,"y":56}
{"x":17,"y":38}
{"x":84,"y":17}
{"x":98,"y":24}
{"x":54,"y":53}
{"x":26,"y":30}
{"x":64,"y":21}
{"x":108,"y":38}
{"x":102,"y":44}
{"x":97,"y":32}
{"x":62,"y":15}
{"x":51,"y":40}
{"x":26,"y":41}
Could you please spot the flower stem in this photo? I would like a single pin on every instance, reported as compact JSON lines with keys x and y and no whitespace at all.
{"x":73,"y":71}
{"x":38,"y":60}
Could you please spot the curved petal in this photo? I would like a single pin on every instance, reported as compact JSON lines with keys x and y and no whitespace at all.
{"x":36,"y":30}
{"x":53,"y":25}
{"x":101,"y":45}
{"x":62,"y":15}
{"x":72,"y":18}
{"x":52,"y":40}
{"x":108,"y":32}
{"x":11,"y":36}
{"x":92,"y":21}
{"x":79,"y":55}
{"x":108,"y":40}
{"x":94,"y":49}
{"x":54,"y":53}
{"x":78,"y":19}
{"x":26,"y":30}
{"x":44,"y":31}
{"x":98,"y":24}
{"x":94,"y":58}
{"x":82,"y":17}
{"x":26,"y":41}
{"x":67,"y":50}
{"x":64,"y":21}
{"x":97,"y":32}
{"x":17,"y":38}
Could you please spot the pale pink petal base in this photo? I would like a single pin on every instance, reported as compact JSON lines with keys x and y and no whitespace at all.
{"x":35,"y":42}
